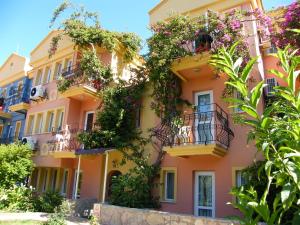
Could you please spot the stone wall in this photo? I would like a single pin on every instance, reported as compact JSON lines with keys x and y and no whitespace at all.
{"x":115,"y":215}
{"x":82,"y":207}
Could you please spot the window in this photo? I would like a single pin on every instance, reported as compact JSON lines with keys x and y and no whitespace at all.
{"x":169,"y":185}
{"x":64,"y":183}
{"x":44,"y":187}
{"x":4,"y":93}
{"x":240,"y":178}
{"x":54,"y":178}
{"x":39,"y":123}
{"x":59,"y":119}
{"x":204,"y":194}
{"x":47,"y":76}
{"x":271,"y":83}
{"x":1,"y":130}
{"x":30,"y":125}
{"x":9,"y":131}
{"x":49,"y":121}
{"x":238,"y":95}
{"x":20,"y":88}
{"x":168,"y":180}
{"x":17,"y":130}
{"x":11,"y":91}
{"x":89,"y":120}
{"x":39,"y":76}
{"x":58,"y":69}
{"x":69,"y":65}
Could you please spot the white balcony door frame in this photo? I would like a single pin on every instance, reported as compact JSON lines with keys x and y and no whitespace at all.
{"x":196,"y":193}
{"x":197,"y":94}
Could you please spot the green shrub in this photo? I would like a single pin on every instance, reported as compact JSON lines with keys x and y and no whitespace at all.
{"x":134,"y":189}
{"x":17,"y":198}
{"x":59,"y":215}
{"x":47,"y":201}
{"x":15,"y":164}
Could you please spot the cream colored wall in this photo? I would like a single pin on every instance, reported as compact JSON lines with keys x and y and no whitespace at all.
{"x":13,"y":69}
{"x":41,"y":50}
{"x":167,"y":8}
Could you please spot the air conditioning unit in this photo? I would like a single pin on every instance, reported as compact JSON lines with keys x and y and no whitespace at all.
{"x":37,"y":92}
{"x":29,"y":140}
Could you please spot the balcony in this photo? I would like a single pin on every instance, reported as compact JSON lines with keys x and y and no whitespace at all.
{"x":17,"y":103}
{"x":188,"y":67}
{"x":205,"y":131}
{"x":64,"y":142}
{"x":80,"y":90}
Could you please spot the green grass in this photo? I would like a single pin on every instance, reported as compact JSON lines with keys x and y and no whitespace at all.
{"x":24,"y":222}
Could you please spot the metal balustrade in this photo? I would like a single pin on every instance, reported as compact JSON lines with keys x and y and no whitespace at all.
{"x":208,"y":124}
{"x":66,"y":139}
{"x":75,"y":74}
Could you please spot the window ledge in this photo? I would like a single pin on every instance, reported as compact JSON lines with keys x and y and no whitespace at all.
{"x":168,"y":201}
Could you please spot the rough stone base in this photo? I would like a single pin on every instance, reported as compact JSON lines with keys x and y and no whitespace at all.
{"x":115,"y":215}
{"x":82,"y":207}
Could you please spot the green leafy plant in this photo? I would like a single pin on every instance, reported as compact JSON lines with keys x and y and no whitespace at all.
{"x":16,"y":198}
{"x":60,"y":214}
{"x":15,"y":164}
{"x":134,"y":188}
{"x":276,"y":132}
{"x":48,"y":201}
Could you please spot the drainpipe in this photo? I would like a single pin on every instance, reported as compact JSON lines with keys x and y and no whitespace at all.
{"x":105,"y":177}
{"x":77,"y":177}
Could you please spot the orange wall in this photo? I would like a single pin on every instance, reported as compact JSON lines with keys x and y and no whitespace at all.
{"x":239,"y":154}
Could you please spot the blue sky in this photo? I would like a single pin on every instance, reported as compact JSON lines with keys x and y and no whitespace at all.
{"x":25,"y":23}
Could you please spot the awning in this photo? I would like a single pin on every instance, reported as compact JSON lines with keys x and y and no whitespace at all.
{"x":91,"y":151}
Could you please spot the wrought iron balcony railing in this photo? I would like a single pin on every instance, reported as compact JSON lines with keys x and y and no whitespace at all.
{"x":66,"y":139}
{"x":76,"y":74}
{"x":208,"y":124}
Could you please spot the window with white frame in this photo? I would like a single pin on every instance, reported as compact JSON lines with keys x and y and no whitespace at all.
{"x":39,"y":77}
{"x":50,"y":120}
{"x":58,"y":70}
{"x":39,"y":123}
{"x":169,"y":185}
{"x":240,"y":178}
{"x":47,"y":75}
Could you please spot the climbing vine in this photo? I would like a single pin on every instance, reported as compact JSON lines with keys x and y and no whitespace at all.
{"x":116,"y":123}
{"x":184,"y":36}
{"x":84,"y":29}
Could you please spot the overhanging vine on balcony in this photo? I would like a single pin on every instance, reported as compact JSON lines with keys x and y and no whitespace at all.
{"x":86,"y":33}
{"x":173,"y":39}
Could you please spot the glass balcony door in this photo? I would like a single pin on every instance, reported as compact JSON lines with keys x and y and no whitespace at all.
{"x":204,"y":117}
{"x":204,"y":194}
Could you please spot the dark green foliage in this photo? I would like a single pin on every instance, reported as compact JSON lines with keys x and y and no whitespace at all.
{"x":47,"y":201}
{"x":134,"y":188}
{"x":16,"y":198}
{"x":276,"y":132}
{"x":15,"y":164}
